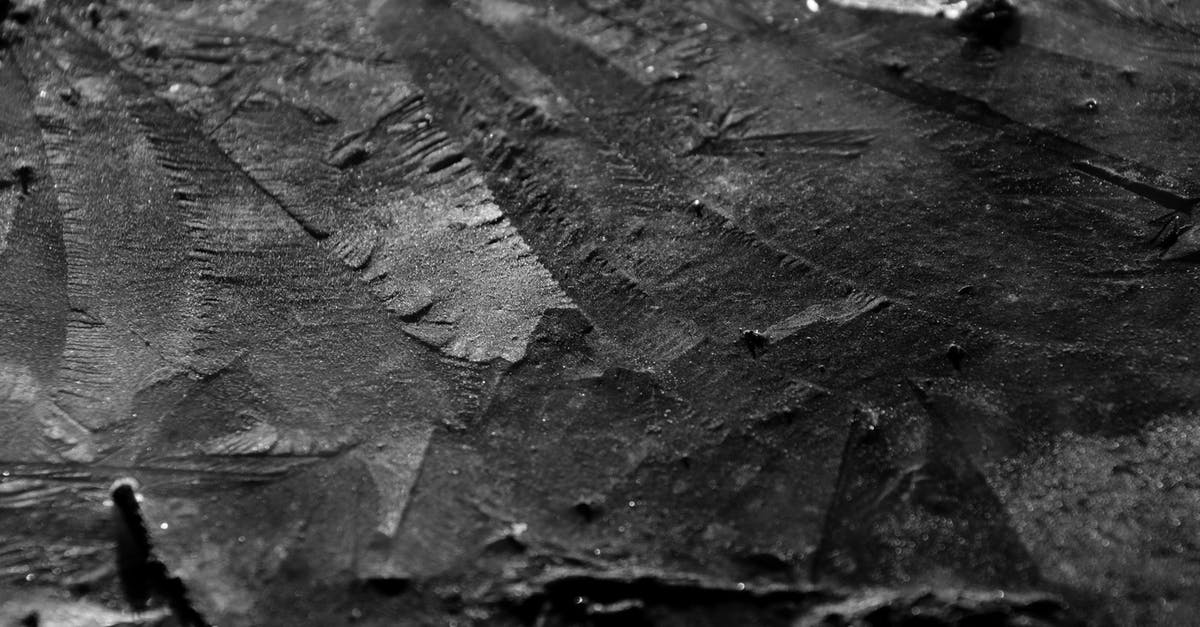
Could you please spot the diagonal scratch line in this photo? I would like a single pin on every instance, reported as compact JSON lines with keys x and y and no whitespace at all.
{"x":1163,"y":197}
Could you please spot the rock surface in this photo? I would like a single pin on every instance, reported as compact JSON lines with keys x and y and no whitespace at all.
{"x":548,"y":312}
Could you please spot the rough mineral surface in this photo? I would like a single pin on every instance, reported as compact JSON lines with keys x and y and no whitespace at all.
{"x":599,"y":312}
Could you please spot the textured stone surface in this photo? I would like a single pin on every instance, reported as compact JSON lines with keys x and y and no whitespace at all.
{"x":546,"y":312}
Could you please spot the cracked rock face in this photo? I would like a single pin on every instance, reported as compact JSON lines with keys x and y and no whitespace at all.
{"x":545,"y":312}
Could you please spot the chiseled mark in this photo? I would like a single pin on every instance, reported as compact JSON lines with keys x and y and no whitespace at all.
{"x":620,"y":285}
{"x":460,"y":276}
{"x":724,"y":133}
{"x":620,"y":595}
{"x":416,"y":238}
{"x":615,"y":96}
{"x":30,"y":493}
{"x":942,"y":606}
{"x":1156,"y":193}
{"x":1176,"y":235}
{"x":840,"y":143}
{"x":264,"y":439}
{"x":1182,"y":240}
{"x":394,"y":466}
{"x":925,"y":8}
{"x":61,"y":437}
{"x":402,"y":205}
{"x":103,"y":247}
{"x":834,"y":311}
{"x":907,"y":481}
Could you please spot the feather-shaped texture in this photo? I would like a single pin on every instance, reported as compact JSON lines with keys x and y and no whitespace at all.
{"x":541,"y":311}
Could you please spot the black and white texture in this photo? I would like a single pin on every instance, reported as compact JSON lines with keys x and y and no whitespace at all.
{"x":622,"y":312}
